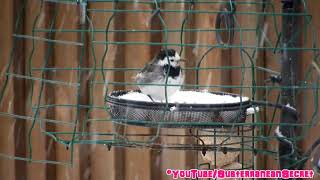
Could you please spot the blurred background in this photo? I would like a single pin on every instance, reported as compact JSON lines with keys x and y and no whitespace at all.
{"x":55,"y":71}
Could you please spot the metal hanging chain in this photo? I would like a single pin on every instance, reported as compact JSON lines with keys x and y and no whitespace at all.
{"x":227,"y":17}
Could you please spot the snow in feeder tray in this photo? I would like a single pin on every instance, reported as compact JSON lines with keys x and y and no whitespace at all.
{"x":188,"y":97}
{"x":136,"y":108}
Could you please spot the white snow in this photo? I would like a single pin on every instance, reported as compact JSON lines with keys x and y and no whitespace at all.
{"x":135,"y":96}
{"x":188,"y":97}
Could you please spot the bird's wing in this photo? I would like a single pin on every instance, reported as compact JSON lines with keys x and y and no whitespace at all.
{"x":150,"y":73}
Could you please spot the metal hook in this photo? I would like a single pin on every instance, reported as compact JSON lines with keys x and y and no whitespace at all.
{"x":204,"y":149}
{"x":227,"y":15}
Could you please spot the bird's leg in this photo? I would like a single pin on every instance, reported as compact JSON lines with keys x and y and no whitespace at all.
{"x":151,"y":98}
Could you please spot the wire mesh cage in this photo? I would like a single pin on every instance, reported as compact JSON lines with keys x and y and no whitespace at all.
{"x":86,"y":58}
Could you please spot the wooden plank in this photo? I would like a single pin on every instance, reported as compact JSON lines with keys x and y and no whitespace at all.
{"x":135,"y":57}
{"x":244,"y":38}
{"x":83,"y":91}
{"x":119,"y":62}
{"x":111,"y":161}
{"x":66,"y":56}
{"x":272,"y":62}
{"x":7,"y":166}
{"x":243,"y":76}
{"x":263,"y":26}
{"x":213,"y":58}
{"x":210,"y":58}
{"x":174,"y":159}
{"x":19,"y":90}
{"x":156,"y":156}
{"x":42,"y":146}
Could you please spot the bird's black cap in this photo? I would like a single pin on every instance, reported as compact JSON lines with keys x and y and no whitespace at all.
{"x":162,"y":53}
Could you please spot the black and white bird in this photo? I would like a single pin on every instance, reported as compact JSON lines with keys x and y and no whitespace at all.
{"x":166,"y":64}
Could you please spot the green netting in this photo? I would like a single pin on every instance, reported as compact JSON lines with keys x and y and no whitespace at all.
{"x":249,"y":135}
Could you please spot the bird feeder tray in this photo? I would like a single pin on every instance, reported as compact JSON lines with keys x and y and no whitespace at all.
{"x":176,"y":115}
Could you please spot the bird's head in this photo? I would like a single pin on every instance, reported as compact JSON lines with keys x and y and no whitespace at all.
{"x":168,"y":57}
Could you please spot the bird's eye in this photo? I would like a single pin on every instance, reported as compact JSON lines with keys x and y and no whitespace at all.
{"x":171,"y":60}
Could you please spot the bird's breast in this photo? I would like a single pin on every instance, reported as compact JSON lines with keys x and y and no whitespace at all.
{"x":172,"y":71}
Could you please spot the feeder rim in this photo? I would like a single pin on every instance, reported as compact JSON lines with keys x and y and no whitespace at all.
{"x":113,"y":98}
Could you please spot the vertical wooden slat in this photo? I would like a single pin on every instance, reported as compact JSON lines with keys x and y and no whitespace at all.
{"x":19,"y":90}
{"x":83,"y":91}
{"x":272,"y":62}
{"x":99,"y":153}
{"x":184,"y":159}
{"x":156,"y":170}
{"x":49,"y":94}
{"x":135,"y":57}
{"x":42,"y":146}
{"x":244,"y":76}
{"x":105,"y":164}
{"x":244,"y":38}
{"x":213,"y":57}
{"x":260,"y":93}
{"x":119,"y":76}
{"x":119,"y":62}
{"x":66,"y":56}
{"x":7,"y":166}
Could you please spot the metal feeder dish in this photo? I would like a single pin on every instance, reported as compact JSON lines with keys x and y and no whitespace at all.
{"x":176,"y":115}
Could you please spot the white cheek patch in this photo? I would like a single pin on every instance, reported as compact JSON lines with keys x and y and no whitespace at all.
{"x":163,"y":62}
{"x":175,"y":59}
